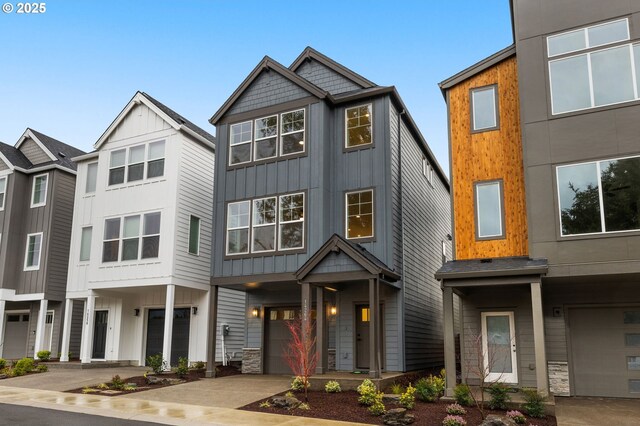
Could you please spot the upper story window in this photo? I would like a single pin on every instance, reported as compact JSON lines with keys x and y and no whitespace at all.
{"x":359,"y":212}
{"x":32,"y":252}
{"x":584,"y":75}
{"x":484,"y":108}
{"x":599,"y":197}
{"x":39,"y":191}
{"x":427,"y":170}
{"x":92,"y":177}
{"x":489,"y":210}
{"x":271,"y":218}
{"x":358,"y":126}
{"x":85,"y":244}
{"x":131,"y":237}
{"x":267,"y":137}
{"x":130,"y":164}
{"x":194,"y":235}
{"x":3,"y":191}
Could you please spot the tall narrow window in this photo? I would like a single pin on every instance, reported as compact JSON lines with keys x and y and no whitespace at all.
{"x":92,"y":176}
{"x":489,"y":218}
{"x":194,"y":235}
{"x":484,"y":108}
{"x":292,"y":132}
{"x":358,"y":125}
{"x":32,"y":253}
{"x":116,"y":166}
{"x":359,"y":221}
{"x":3,"y":191}
{"x":264,"y":225}
{"x":135,"y":163}
{"x":85,"y":244}
{"x":240,"y":143}
{"x":39,"y":195}
{"x":291,"y":222}
{"x":111,"y":240}
{"x":155,"y":160}
{"x":151,"y":236}
{"x":266,"y":137}
{"x":238,"y":227}
{"x":131,"y":238}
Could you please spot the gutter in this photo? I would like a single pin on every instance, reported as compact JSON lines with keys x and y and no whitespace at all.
{"x":542,"y":270}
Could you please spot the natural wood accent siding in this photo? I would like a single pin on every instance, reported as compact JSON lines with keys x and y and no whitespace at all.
{"x":486,"y":156}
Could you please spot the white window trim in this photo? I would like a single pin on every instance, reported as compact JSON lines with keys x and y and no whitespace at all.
{"x":264,"y":225}
{"x":600,"y":194}
{"x":145,"y":168}
{"x":303,"y":131}
{"x":53,"y":319}
{"x":346,"y":215}
{"x":346,"y":127}
{"x":45,"y":193}
{"x":34,"y":267}
{"x":143,"y":162}
{"x":197,"y":253}
{"x":585,"y":31}
{"x":496,"y":123}
{"x":119,"y":239}
{"x":250,"y":142}
{"x":256,"y":139}
{"x":86,"y":181}
{"x":142,"y":235}
{"x":280,"y":222}
{"x":80,"y":245}
{"x":502,"y":233}
{"x":248,"y":228}
{"x":4,"y":192}
{"x":427,"y":170}
{"x":149,"y":160}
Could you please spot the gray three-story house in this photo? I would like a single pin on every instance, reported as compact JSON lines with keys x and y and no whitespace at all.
{"x":37,"y":183}
{"x":328,"y":201}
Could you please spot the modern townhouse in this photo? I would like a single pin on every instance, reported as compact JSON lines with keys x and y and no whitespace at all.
{"x":545,"y":171}
{"x":37,"y":181}
{"x":329,"y":205}
{"x":141,"y":242}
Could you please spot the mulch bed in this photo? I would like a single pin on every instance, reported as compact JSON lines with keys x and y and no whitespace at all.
{"x":228,"y":370}
{"x":344,"y":406}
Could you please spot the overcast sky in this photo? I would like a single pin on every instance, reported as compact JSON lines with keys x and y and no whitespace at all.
{"x":69,"y":71}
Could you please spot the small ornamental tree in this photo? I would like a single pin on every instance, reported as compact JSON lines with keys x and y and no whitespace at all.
{"x":300,"y":353}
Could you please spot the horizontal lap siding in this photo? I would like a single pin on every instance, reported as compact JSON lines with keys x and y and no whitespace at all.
{"x":33,"y":152}
{"x":231,"y":311}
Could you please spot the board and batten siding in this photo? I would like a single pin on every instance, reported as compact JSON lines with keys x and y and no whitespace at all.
{"x":485,"y":156}
{"x":325,"y":78}
{"x":141,"y":120}
{"x":33,"y":152}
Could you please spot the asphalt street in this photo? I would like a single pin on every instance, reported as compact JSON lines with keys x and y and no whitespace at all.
{"x":19,"y":415}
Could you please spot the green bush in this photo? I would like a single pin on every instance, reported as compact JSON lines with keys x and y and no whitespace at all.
{"x":408,"y":399}
{"x":462,"y":394}
{"x":157,"y":363}
{"x":397,"y":389}
{"x":117,"y":383}
{"x":332,"y":387}
{"x":44,"y":355}
{"x":368,"y":392}
{"x":377,"y":406}
{"x":3,"y":363}
{"x":182,"y":370}
{"x":198,"y":365}
{"x":23,"y":366}
{"x":534,"y":403}
{"x":430,"y":389}
{"x":499,"y":396}
{"x":42,"y":368}
{"x":297,"y":384}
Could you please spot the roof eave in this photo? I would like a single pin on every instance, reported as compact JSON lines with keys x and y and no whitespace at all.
{"x":310,"y":53}
{"x":85,"y":157}
{"x":539,"y":270}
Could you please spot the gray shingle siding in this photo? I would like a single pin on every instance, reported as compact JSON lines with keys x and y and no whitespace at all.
{"x":33,"y":152}
{"x":325,"y":78}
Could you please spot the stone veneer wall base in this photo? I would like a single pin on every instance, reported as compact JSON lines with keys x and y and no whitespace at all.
{"x":559,"y":378}
{"x":251,"y":361}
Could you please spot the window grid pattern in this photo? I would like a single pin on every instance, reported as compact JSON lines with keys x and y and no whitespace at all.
{"x":359,"y":221}
{"x":358,"y":126}
{"x":134,"y":163}
{"x":131,"y":238}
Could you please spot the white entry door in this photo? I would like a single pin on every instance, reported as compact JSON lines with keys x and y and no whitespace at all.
{"x":499,"y":347}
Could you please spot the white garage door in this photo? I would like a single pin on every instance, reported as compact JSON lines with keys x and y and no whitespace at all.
{"x":605,"y":351}
{"x":16,"y":330}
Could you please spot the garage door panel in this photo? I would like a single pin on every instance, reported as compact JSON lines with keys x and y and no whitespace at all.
{"x":16,"y":331}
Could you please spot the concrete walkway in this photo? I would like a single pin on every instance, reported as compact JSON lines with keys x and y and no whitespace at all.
{"x":591,"y":411}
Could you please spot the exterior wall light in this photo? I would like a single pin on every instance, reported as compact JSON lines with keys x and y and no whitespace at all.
{"x":255,"y":312}
{"x":194,"y":310}
{"x":333,"y":310}
{"x":136,"y":312}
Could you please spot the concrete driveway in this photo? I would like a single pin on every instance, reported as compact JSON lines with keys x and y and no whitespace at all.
{"x":64,"y":380}
{"x":591,"y":411}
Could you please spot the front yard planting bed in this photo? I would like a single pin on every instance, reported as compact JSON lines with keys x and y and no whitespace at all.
{"x":344,"y":406}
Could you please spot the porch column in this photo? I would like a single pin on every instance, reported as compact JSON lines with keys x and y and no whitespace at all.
{"x":321,"y":332}
{"x":449,"y":341}
{"x":87,"y":329}
{"x":168,"y":324}
{"x":212,"y":334}
{"x":374,"y":310}
{"x":2,"y":308}
{"x":542,"y":378}
{"x":42,"y":315}
{"x":66,"y":330}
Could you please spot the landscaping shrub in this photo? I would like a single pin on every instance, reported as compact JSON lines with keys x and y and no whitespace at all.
{"x":87,"y":389}
{"x":454,"y":421}
{"x":431,"y":388}
{"x":304,"y":406}
{"x":456,"y":409}
{"x":408,"y":399}
{"x":129,"y":388}
{"x":157,"y":363}
{"x":368,"y":392}
{"x":462,"y":394}
{"x":103,"y":386}
{"x":198,"y":365}
{"x":534,"y":403}
{"x":377,"y":406}
{"x":23,"y":366}
{"x":298,"y":384}
{"x":499,"y":396}
{"x":517,"y":417}
{"x":117,"y":383}
{"x":265,"y":404}
{"x":3,"y":363}
{"x":397,"y":389}
{"x":44,"y":355}
{"x":182,"y":370}
{"x":332,"y":387}
{"x":42,"y":368}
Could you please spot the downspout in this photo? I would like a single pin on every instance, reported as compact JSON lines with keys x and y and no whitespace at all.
{"x":404,"y":343}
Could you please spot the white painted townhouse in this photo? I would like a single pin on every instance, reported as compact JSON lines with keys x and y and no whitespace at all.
{"x":141,"y":243}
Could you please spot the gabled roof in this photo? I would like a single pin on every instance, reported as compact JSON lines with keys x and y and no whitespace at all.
{"x":267,"y":64}
{"x":14,"y":156}
{"x":356,"y":252}
{"x":63,"y":152}
{"x":60,"y":153}
{"x":174,"y":119}
{"x":477,"y":68}
{"x":310,"y":53}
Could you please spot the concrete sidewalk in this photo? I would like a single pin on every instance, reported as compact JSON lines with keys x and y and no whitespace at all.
{"x":592,"y":411}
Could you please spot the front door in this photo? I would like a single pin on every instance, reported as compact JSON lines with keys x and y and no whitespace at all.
{"x":362,"y":336}
{"x":499,"y":347}
{"x":180,"y":334}
{"x":100,"y":335}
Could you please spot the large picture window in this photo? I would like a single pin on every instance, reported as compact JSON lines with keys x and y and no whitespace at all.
{"x":359,"y":211}
{"x":489,"y":210}
{"x":599,"y":197}
{"x":131,"y":238}
{"x":136,"y":162}
{"x":358,"y":126}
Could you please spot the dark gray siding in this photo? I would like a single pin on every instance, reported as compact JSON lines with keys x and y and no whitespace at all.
{"x":17,"y":200}
{"x":270,"y":88}
{"x":231,"y":311}
{"x":325,"y":78}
